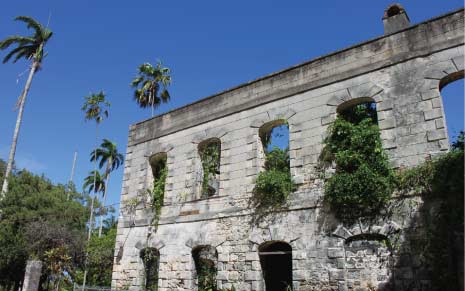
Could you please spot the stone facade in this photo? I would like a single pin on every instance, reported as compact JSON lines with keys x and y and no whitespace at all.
{"x":401,"y":71}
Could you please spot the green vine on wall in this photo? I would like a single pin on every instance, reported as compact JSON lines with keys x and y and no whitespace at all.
{"x":363,"y":181}
{"x":440,"y":181}
{"x":160,"y":172}
{"x":210,"y":157}
{"x":273,"y":186}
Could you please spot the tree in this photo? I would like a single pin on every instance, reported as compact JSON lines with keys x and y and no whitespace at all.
{"x":37,"y":217}
{"x":95,"y":108}
{"x":29,"y":48}
{"x":95,"y":182}
{"x":151,"y":84}
{"x":107,"y":155}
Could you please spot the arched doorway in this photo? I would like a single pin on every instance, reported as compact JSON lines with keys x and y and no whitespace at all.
{"x":276,"y":263}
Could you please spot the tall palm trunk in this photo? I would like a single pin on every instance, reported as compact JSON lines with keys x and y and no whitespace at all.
{"x":22,"y":102}
{"x":109,"y":162}
{"x":91,"y":217}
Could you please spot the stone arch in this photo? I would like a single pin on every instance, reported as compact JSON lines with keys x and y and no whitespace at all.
{"x":276,"y":263}
{"x":393,"y":10}
{"x":211,"y":164}
{"x":436,"y":78}
{"x":365,"y":93}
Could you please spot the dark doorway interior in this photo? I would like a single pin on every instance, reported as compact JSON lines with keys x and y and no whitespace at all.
{"x":276,"y":262}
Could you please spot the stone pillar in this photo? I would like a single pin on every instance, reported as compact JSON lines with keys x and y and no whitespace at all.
{"x":32,"y":275}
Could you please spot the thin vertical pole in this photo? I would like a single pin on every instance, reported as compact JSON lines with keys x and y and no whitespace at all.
{"x":72,"y":172}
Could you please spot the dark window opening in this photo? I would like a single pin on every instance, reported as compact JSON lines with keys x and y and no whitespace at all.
{"x":356,"y":112}
{"x":276,"y":263}
{"x":452,"y":93}
{"x":151,"y":260}
{"x":206,"y":259}
{"x":393,"y":10}
{"x":210,"y":155}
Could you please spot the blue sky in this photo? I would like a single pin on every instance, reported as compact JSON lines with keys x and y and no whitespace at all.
{"x":209,"y":45}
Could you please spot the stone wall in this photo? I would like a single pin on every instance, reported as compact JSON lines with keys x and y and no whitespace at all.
{"x":401,"y":72}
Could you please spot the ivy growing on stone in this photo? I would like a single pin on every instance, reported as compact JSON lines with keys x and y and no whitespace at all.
{"x":363,"y":181}
{"x":210,"y":157}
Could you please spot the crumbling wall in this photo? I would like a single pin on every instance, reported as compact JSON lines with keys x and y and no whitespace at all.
{"x":400,"y":71}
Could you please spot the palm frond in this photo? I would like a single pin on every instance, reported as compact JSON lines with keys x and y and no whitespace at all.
{"x":15,"y":39}
{"x":31,"y":23}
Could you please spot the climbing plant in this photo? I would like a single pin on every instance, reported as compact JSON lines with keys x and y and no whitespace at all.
{"x":440,"y":181}
{"x":151,"y":259}
{"x":210,"y":157}
{"x":160,"y":171}
{"x":273,"y":185}
{"x":363,"y":181}
{"x":206,"y":275}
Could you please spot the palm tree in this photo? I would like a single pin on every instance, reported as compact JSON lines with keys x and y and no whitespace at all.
{"x":29,"y":48}
{"x":108,"y":155}
{"x":95,"y":183}
{"x":151,"y":84}
{"x":95,"y":108}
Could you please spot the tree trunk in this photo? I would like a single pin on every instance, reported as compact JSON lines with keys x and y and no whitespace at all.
{"x":104,"y":196}
{"x":91,"y":218}
{"x":22,"y":102}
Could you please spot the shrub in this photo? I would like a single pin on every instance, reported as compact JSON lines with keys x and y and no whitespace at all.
{"x":274,"y":185}
{"x":363,"y":181}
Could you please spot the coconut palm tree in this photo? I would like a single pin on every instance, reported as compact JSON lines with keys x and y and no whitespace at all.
{"x":108,"y":156}
{"x":30,"y":48}
{"x":95,"y":108}
{"x":151,"y":85}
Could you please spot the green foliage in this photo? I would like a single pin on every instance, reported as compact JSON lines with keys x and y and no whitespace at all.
{"x":363,"y":181}
{"x":100,"y":258}
{"x":40,"y":222}
{"x":37,"y":218}
{"x":96,"y":107}
{"x":28,"y":47}
{"x":210,"y":157}
{"x":206,"y":275}
{"x":151,"y":259}
{"x":107,"y":154}
{"x":441,"y":183}
{"x":151,"y":85}
{"x":273,"y":185}
{"x":158,"y":191}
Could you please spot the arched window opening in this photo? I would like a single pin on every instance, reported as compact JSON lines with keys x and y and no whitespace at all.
{"x":159,"y":174}
{"x":276,"y":263}
{"x":275,"y":141}
{"x":393,"y":10}
{"x":275,"y":134}
{"x":206,"y":261}
{"x":357,"y":110}
{"x":210,"y":155}
{"x":452,"y":92}
{"x":151,"y":259}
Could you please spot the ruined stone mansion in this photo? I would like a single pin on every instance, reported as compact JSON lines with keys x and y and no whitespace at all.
{"x":303,"y":244}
